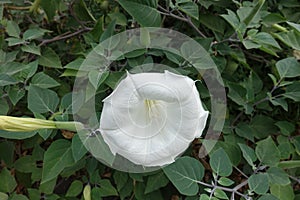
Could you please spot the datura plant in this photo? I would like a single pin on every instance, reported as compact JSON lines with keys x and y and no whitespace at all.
{"x":149,"y":119}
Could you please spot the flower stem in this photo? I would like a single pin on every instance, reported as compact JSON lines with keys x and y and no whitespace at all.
{"x":70,"y":126}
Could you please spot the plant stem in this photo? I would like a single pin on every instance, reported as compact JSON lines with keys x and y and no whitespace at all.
{"x":70,"y":126}
{"x":184,"y":19}
{"x":64,"y":36}
{"x":232,"y":190}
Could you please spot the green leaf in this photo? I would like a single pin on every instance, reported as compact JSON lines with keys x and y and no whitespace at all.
{"x":234,"y":21}
{"x":120,"y":178}
{"x":282,"y":192}
{"x":31,"y":48}
{"x":206,"y":197}
{"x":290,"y":38}
{"x":13,"y":29}
{"x":14,"y":41}
{"x":189,"y":8}
{"x":50,"y":7}
{"x":106,"y":188}
{"x":289,"y":164}
{"x":97,"y":78}
{"x":267,"y":152}
{"x":145,"y":15}
{"x":15,"y":94}
{"x":48,"y":187}
{"x":294,"y":25}
{"x":78,"y":149}
{"x":107,"y":35}
{"x":288,"y":67}
{"x":3,"y":196}
{"x":280,"y":102}
{"x":220,"y":163}
{"x":7,"y":149}
{"x":8,"y":182}
{"x":237,"y":93}
{"x":140,"y":194}
{"x":42,"y":80}
{"x":248,"y":154}
{"x":225,"y":181}
{"x":286,"y":128}
{"x":259,"y":183}
{"x":245,"y":130}
{"x":75,"y":189}
{"x":213,"y":22}
{"x":33,"y":194}
{"x":18,"y":197}
{"x":263,"y":126}
{"x":293,"y":91}
{"x":54,"y":164}
{"x":184,"y":174}
{"x":7,"y":80}
{"x":4,"y":107}
{"x":17,"y":135}
{"x":49,"y":59}
{"x":82,"y":12}
{"x":268,"y":197}
{"x":220,"y":194}
{"x":265,"y":39}
{"x":42,"y":100}
{"x":296,"y":142}
{"x":155,"y":182}
{"x":34,"y":33}
{"x":25,"y":164}
{"x":255,"y":10}
{"x":278,"y":176}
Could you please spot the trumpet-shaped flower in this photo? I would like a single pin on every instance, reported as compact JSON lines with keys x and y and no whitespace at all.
{"x":151,"y":118}
{"x":20,"y":124}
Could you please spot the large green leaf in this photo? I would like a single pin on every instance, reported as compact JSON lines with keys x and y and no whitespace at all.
{"x":31,"y":48}
{"x":42,"y":80}
{"x":267,"y":152}
{"x":184,"y":174}
{"x":268,"y":197}
{"x":13,"y":29}
{"x":220,"y":162}
{"x":288,"y":68}
{"x":78,"y":149}
{"x":75,"y":189}
{"x":49,"y":59}
{"x":42,"y":100}
{"x":25,"y":164}
{"x":155,"y":182}
{"x":278,"y":176}
{"x":282,"y":192}
{"x":259,"y":183}
{"x":290,"y":38}
{"x":6,"y":80}
{"x":57,"y":157}
{"x":248,"y":154}
{"x":8,"y":182}
{"x":189,"y":8}
{"x":16,"y":135}
{"x":146,"y":15}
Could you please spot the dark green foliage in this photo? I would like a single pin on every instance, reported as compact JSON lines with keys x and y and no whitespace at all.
{"x":256,"y":46}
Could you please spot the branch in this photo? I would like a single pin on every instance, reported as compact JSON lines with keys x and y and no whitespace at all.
{"x":64,"y":36}
{"x":184,"y":19}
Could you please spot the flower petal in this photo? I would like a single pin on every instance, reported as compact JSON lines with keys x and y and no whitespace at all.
{"x":151,"y":118}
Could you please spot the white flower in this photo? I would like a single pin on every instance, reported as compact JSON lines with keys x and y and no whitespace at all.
{"x":151,"y":118}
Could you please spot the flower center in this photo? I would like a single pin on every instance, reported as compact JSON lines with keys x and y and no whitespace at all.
{"x":151,"y":107}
